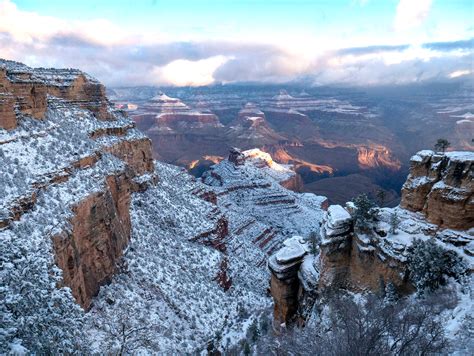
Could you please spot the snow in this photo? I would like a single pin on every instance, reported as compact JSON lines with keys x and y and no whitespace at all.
{"x":253,"y":195}
{"x":460,"y":122}
{"x":175,"y":277}
{"x":308,"y":274}
{"x":421,"y":155}
{"x":290,"y":253}
{"x":412,"y":182}
{"x":467,"y":115}
{"x":463,"y":156}
{"x":337,"y":215}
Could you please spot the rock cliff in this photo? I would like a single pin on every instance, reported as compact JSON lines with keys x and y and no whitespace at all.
{"x":26,"y":90}
{"x":67,"y":153}
{"x":441,"y":186}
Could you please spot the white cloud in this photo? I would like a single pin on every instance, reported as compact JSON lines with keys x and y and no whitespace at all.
{"x":183,"y":72}
{"x":30,"y":27}
{"x":123,"y":58}
{"x":411,"y":13}
{"x":459,"y":73}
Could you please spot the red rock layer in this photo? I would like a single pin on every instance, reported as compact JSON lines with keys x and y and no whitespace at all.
{"x":88,"y":255}
{"x":29,"y":95}
{"x":442,"y":188}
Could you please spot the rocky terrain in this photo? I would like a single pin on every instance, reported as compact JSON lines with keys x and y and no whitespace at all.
{"x":80,"y":191}
{"x":360,"y":261}
{"x":104,"y":249}
{"x":360,"y":138}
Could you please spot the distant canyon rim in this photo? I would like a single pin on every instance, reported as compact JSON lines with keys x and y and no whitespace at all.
{"x":341,"y":141}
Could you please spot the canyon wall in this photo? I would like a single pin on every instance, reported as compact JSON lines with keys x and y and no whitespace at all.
{"x":26,"y":90}
{"x":441,"y":187}
{"x":437,"y":197}
{"x":90,"y":154}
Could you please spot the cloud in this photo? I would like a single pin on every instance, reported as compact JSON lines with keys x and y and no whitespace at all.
{"x":459,"y":73}
{"x":183,"y":72}
{"x":411,"y":13}
{"x":372,"y":49}
{"x":29,"y":27}
{"x":130,"y":59}
{"x":451,"y":46}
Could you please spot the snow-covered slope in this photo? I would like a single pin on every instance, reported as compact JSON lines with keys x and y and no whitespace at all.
{"x":170,"y":280}
{"x":251,"y":190}
{"x":159,"y":261}
{"x":203,"y":262}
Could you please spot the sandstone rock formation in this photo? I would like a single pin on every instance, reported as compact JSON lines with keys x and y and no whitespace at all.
{"x":441,"y":186}
{"x":284,"y":283}
{"x":358,"y":261}
{"x":83,"y":149}
{"x":27,"y":89}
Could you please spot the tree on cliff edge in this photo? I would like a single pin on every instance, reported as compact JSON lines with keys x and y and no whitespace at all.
{"x":431,"y":265}
{"x":365,"y":212}
{"x":441,"y":145}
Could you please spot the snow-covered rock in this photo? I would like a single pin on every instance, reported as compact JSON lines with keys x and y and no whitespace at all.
{"x":441,"y":186}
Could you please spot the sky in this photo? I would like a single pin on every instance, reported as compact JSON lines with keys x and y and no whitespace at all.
{"x":202,"y":42}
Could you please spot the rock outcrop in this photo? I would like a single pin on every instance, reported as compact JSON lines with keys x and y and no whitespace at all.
{"x":441,"y":186}
{"x":65,"y":148}
{"x":253,"y":187}
{"x":336,"y":245}
{"x":284,"y":283}
{"x":358,"y":261}
{"x":27,"y":89}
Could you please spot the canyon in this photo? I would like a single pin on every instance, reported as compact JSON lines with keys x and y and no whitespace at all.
{"x":358,"y":140}
{"x":90,"y":216}
{"x":436,"y":204}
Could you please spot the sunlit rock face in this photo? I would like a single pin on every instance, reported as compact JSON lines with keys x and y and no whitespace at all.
{"x":374,"y":156}
{"x":441,"y":186}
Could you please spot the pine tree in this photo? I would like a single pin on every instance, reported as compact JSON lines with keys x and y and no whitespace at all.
{"x":394,"y":222}
{"x":365,"y":213}
{"x":442,"y":144}
{"x":430,"y":265}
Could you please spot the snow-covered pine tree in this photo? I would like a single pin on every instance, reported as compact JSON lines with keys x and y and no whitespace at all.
{"x":430,"y":265}
{"x":394,"y":222}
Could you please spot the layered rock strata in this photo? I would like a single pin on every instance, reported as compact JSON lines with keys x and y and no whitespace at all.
{"x":441,"y":186}
{"x":284,"y":283}
{"x":26,"y":90}
{"x":72,"y":162}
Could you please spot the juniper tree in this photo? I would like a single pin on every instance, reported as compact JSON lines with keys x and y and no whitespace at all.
{"x":442,"y":144}
{"x":394,"y":222}
{"x":365,"y":212}
{"x":430,"y":265}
